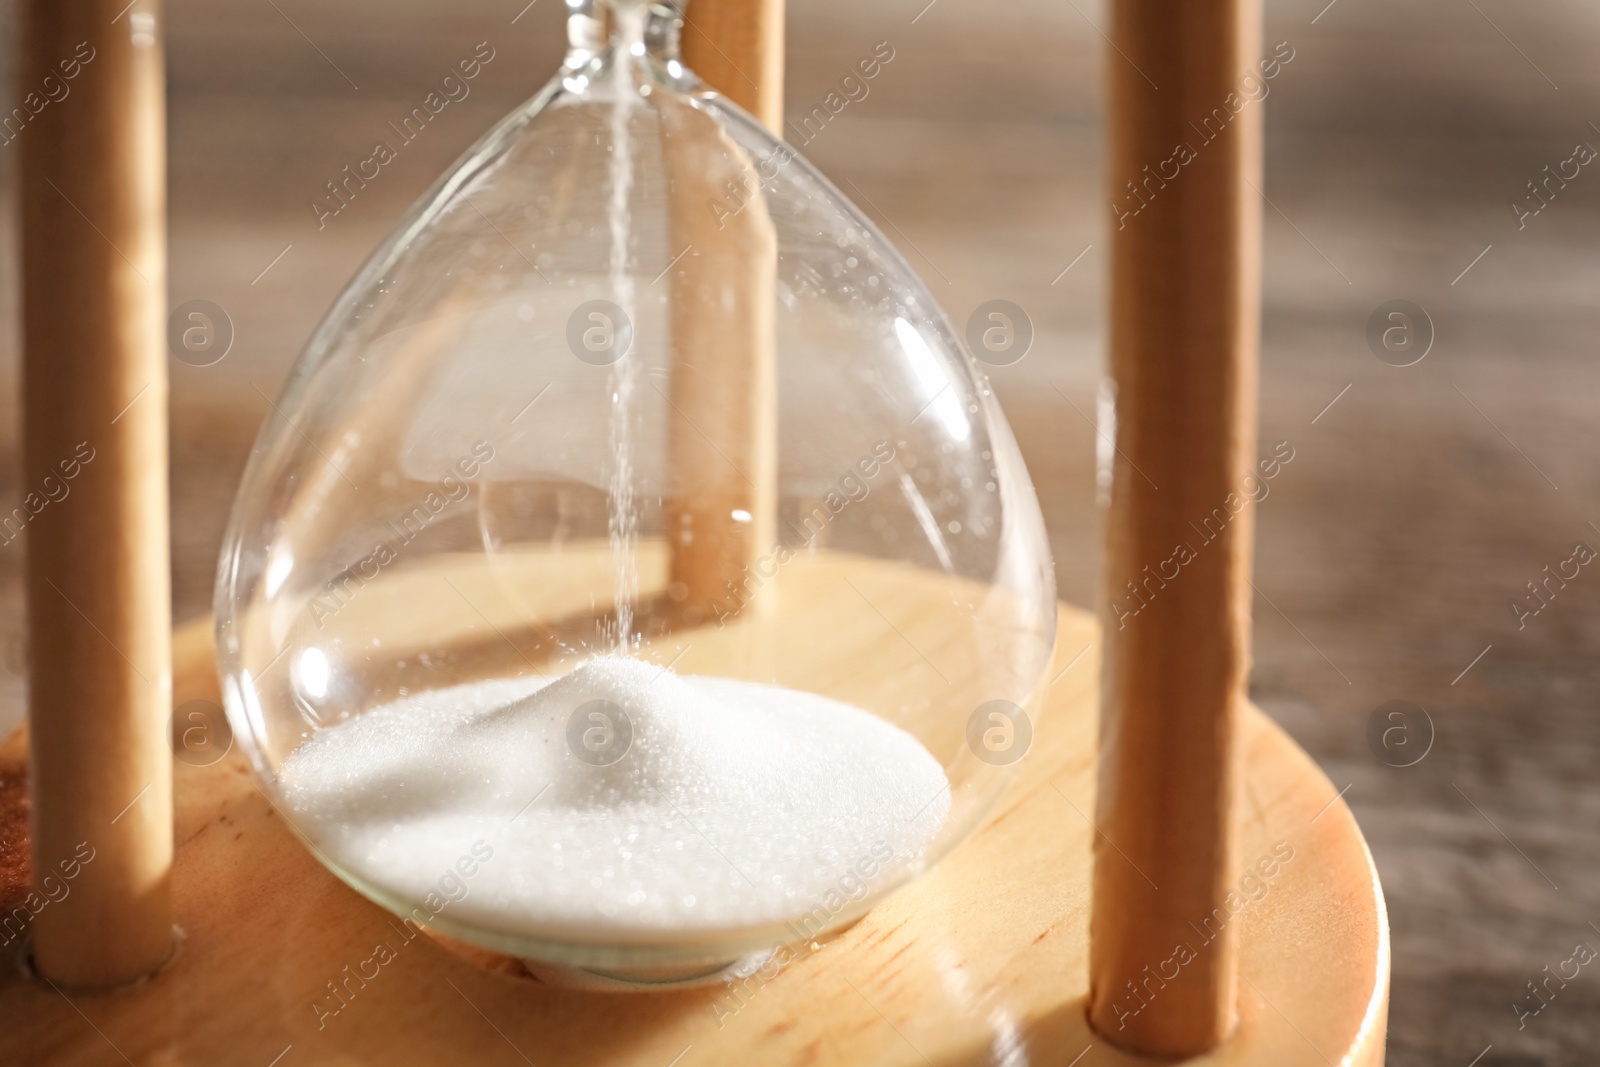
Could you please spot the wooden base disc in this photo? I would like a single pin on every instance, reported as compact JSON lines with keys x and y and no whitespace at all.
{"x":982,"y":961}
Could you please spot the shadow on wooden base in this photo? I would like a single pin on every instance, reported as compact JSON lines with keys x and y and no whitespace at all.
{"x":982,"y":961}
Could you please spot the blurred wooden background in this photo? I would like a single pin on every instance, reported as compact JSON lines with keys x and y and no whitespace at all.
{"x":1416,"y":507}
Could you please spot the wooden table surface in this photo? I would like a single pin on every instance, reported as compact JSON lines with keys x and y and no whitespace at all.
{"x":1390,"y":547}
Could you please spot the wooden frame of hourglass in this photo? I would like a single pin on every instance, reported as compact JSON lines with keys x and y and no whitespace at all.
{"x":1230,"y":913}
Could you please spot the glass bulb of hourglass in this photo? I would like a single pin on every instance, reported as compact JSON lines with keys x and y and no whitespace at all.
{"x":635,"y":572}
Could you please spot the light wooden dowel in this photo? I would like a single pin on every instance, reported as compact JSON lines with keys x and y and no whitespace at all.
{"x":1185,"y":148}
{"x":95,"y":479}
{"x":736,"y":46}
{"x":721,"y":510}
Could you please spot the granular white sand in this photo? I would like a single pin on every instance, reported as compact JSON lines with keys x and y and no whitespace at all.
{"x":736,"y":805}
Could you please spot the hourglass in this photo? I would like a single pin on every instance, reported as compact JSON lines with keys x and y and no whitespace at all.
{"x":634,"y":519}
{"x":637,"y":588}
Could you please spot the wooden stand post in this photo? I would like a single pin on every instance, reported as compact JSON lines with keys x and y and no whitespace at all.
{"x":722,"y":509}
{"x":736,"y":46}
{"x":95,"y":407}
{"x":1185,"y":146}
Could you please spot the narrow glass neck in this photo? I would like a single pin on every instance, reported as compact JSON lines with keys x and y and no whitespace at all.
{"x":644,"y":28}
